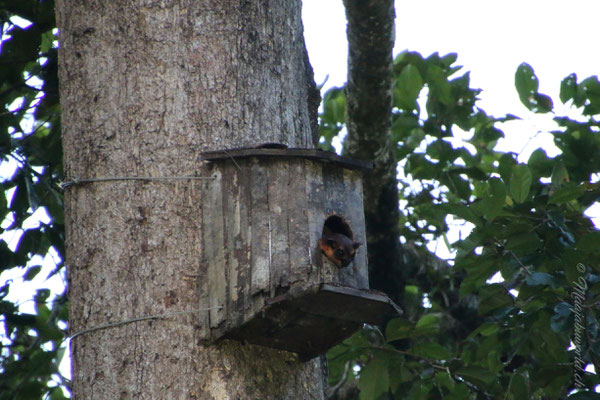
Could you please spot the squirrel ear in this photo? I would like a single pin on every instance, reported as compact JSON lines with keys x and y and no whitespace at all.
{"x":356,"y":245}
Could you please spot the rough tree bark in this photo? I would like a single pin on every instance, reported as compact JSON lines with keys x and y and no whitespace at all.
{"x":146,"y":85}
{"x":369,"y":101}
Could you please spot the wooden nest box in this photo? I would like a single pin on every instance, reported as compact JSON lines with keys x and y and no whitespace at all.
{"x":263,"y":275}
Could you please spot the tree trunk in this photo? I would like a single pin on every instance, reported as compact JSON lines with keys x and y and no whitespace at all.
{"x":146,"y":85}
{"x":369,"y":121}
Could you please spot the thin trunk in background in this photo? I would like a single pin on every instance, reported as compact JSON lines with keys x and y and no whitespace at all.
{"x":369,"y":122}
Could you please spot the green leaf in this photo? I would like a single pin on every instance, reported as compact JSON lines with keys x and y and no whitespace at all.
{"x":519,"y":387}
{"x":418,"y":391}
{"x":560,"y":175}
{"x":523,"y":243}
{"x":462,"y":211}
{"x":445,"y":380}
{"x":57,"y":394}
{"x":480,"y":269}
{"x":434,"y":351}
{"x":492,"y":297}
{"x":32,"y":272}
{"x":349,"y":349}
{"x":494,"y":201}
{"x":527,"y":84}
{"x":428,"y":324}
{"x":460,"y":392}
{"x":589,"y":242}
{"x":520,"y":182}
{"x":47,"y":41}
{"x":568,"y":88}
{"x":398,"y":372}
{"x":398,"y":328}
{"x":476,"y":375}
{"x":540,"y":164}
{"x":541,"y":278}
{"x":408,"y":87}
{"x":334,"y":106}
{"x":459,"y":186}
{"x":567,"y":193}
{"x":439,"y":88}
{"x":588,"y":94}
{"x":543,"y":103}
{"x":486,"y":329}
{"x":562,"y":320}
{"x":21,"y":319}
{"x":374,"y":379}
{"x":449,"y":59}
{"x":507,"y":163}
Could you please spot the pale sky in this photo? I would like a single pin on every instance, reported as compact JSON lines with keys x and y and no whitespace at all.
{"x":491,"y":39}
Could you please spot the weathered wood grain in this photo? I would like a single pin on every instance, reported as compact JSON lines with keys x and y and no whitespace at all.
{"x":301,"y":247}
{"x":266,"y":216}
{"x":278,"y":216}
{"x":237,"y":247}
{"x":356,"y":274}
{"x":315,"y":195}
{"x":288,"y":154}
{"x":214,"y":255}
{"x":260,"y":221}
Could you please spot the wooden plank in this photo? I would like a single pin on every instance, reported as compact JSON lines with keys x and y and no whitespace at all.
{"x":356,"y":274}
{"x":360,"y":234}
{"x":299,"y":237}
{"x":335,"y":190}
{"x":335,"y":196}
{"x":315,"y":193}
{"x":243,"y":241}
{"x":261,"y":260}
{"x":279,"y":246}
{"x":311,"y":320}
{"x":202,"y":279}
{"x":235,"y":231}
{"x":317,"y":155}
{"x":214,"y":249}
{"x":231,"y":227}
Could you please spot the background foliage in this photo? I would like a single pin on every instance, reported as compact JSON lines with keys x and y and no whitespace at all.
{"x":462,"y":336}
{"x":32,"y":343}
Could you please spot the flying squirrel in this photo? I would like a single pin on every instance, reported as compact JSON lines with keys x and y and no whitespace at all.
{"x":338,"y":248}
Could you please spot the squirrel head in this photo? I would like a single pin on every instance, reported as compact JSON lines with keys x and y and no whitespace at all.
{"x":338,"y":248}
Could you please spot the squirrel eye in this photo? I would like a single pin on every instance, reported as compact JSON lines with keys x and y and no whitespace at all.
{"x":339,"y":253}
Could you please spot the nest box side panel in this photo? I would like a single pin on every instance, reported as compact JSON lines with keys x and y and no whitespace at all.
{"x":289,"y":242}
{"x":358,"y":270}
{"x":256,"y":238}
{"x":316,"y":214}
{"x":278,"y":214}
{"x":333,"y":190}
{"x":261,"y":258}
{"x":236,"y":198}
{"x":225,"y":278}
{"x":213,"y":280}
{"x":299,"y":235}
{"x":279,"y":231}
